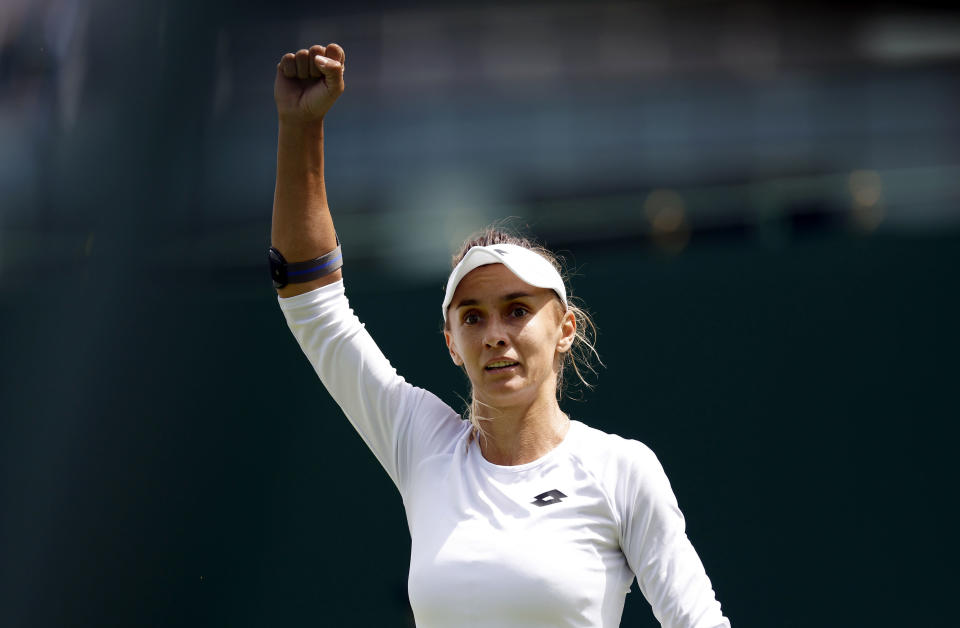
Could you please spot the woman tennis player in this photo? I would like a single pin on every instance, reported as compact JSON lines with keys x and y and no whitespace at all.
{"x":519,"y":516}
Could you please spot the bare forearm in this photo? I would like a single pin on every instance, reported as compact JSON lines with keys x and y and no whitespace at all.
{"x":302,"y":226}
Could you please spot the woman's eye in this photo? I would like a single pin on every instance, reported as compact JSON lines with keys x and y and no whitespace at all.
{"x":519,"y":312}
{"x":470,"y":318}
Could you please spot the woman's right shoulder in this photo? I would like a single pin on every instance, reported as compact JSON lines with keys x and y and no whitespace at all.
{"x":435,"y":420}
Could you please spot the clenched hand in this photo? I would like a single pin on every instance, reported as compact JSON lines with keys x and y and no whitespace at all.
{"x":308,"y":83}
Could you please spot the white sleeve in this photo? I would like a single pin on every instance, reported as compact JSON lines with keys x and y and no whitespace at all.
{"x":399,"y":422}
{"x":669,"y":572}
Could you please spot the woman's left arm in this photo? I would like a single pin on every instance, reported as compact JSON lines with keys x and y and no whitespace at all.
{"x":654,"y":540}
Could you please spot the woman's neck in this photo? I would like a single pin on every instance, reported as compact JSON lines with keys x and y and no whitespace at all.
{"x":516,"y":436}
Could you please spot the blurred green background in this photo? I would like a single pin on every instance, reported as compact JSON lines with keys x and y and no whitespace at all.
{"x":760,"y":204}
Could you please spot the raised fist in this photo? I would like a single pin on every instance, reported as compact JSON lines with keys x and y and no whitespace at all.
{"x":308,"y":82}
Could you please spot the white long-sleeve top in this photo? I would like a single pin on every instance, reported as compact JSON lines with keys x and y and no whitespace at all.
{"x":555,"y":542}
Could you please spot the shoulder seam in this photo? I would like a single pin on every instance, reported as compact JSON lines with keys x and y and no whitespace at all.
{"x":611,"y":502}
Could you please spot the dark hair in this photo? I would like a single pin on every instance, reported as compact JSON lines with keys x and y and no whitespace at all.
{"x":583,"y":352}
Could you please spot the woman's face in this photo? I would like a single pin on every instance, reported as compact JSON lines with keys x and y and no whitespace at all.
{"x":508,"y":335}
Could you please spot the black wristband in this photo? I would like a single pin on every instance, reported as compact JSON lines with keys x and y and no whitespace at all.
{"x":284,"y":273}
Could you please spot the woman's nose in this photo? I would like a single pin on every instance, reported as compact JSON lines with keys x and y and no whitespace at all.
{"x":494,"y":336}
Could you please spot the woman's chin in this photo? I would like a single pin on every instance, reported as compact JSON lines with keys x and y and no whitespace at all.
{"x":505,"y":395}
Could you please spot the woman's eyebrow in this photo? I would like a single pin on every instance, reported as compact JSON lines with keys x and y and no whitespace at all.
{"x":506,"y":297}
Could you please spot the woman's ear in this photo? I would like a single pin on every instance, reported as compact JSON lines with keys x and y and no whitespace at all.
{"x":451,"y":347}
{"x":568,"y":331}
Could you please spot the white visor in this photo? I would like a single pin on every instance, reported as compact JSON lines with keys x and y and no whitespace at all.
{"x":530,"y":267}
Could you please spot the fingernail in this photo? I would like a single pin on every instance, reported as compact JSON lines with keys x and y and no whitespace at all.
{"x":323,"y":60}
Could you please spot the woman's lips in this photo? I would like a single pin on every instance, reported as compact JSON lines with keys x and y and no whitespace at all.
{"x":501,"y":364}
